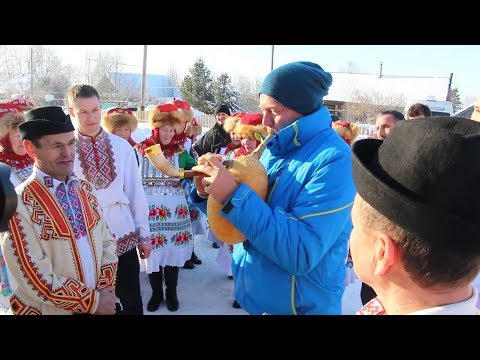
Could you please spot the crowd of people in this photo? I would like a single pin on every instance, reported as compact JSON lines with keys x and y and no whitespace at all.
{"x":95,"y":208}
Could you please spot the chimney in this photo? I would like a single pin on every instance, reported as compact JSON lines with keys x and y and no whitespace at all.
{"x":381,"y":66}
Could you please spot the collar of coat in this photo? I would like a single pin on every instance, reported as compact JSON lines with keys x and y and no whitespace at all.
{"x":299,"y":132}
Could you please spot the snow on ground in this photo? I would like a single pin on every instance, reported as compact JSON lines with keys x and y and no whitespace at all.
{"x":204,"y":290}
{"x":207,"y":290}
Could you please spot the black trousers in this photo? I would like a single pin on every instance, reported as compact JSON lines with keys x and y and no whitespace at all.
{"x":128,"y":283}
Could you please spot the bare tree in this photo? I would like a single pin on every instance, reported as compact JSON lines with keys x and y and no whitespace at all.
{"x":33,"y":72}
{"x":50,"y":75}
{"x":105,"y":72}
{"x":351,"y":67}
{"x":365,"y":105}
{"x":172,"y":74}
{"x":248,"y":90}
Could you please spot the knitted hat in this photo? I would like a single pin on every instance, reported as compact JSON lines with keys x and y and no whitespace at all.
{"x":300,"y":86}
{"x":222,"y":109}
{"x":166,"y":113}
{"x":424,"y":177}
{"x":118,"y":117}
{"x":10,"y":117}
{"x":47,"y":120}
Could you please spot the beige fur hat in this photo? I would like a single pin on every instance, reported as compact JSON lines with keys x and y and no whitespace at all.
{"x":10,"y":117}
{"x":230,"y":123}
{"x":476,"y":111}
{"x":166,"y":113}
{"x":193,"y":128}
{"x":249,"y":124}
{"x":118,"y":117}
{"x":185,"y":109}
{"x":347,"y":130}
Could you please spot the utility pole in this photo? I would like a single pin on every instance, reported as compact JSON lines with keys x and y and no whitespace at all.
{"x":88,"y":70}
{"x":144,"y":80}
{"x":449,"y":92}
{"x":271,"y":64}
{"x":31,"y":74}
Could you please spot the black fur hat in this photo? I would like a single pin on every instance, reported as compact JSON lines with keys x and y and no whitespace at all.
{"x":425,"y":177}
{"x":45,"y":120}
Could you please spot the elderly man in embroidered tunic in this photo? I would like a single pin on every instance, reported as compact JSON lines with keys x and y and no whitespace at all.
{"x":58,"y":246}
{"x":108,"y":162}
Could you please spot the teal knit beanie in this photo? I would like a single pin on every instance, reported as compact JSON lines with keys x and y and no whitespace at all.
{"x":299,"y":86}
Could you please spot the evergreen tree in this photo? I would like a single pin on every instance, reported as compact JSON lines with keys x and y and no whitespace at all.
{"x":196,"y":88}
{"x":456,"y":102}
{"x":224,"y":93}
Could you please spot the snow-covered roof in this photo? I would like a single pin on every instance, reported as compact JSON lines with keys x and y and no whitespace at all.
{"x":16,"y":82}
{"x":344,"y":86}
{"x":157,"y":85}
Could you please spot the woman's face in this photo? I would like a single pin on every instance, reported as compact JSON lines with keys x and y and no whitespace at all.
{"x":235,"y":138}
{"x":166,"y":133}
{"x":123,"y":131}
{"x":17,"y":145}
{"x":249,"y":144}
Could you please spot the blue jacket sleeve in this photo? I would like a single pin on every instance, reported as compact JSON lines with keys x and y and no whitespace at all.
{"x":197,"y":200}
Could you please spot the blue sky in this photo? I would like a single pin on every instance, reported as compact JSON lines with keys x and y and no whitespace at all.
{"x":254,"y":61}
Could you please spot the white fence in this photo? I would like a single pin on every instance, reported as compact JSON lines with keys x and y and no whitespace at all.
{"x":206,"y":121}
{"x":366,"y":129}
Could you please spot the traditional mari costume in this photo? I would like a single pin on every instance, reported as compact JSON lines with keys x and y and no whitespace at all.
{"x":21,"y":165}
{"x":21,"y":168}
{"x":169,"y":217}
{"x":58,"y":246}
{"x":108,"y":162}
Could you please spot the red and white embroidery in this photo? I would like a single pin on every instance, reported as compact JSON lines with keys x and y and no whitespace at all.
{"x":97,"y":159}
{"x":373,"y":307}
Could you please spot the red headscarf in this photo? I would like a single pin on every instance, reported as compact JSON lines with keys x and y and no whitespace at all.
{"x":9,"y":157}
{"x":168,"y":150}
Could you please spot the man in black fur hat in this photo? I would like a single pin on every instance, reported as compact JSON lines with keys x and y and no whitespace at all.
{"x":416,"y":231}
{"x":58,"y":247}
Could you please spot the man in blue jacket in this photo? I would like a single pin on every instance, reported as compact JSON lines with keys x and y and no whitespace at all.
{"x":294,"y":259}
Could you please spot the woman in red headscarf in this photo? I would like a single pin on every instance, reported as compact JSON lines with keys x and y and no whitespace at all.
{"x":12,"y":151}
{"x":121,"y":122}
{"x":169,"y":217}
{"x":14,"y":155}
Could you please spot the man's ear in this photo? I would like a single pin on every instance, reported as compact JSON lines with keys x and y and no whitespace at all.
{"x":70,"y":111}
{"x":30,"y":148}
{"x":386,"y":253}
